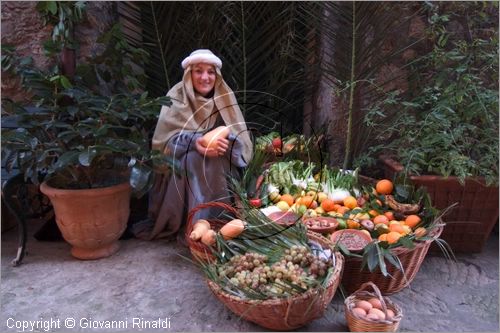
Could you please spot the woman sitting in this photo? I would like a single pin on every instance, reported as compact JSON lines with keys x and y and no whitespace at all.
{"x":201,"y":102}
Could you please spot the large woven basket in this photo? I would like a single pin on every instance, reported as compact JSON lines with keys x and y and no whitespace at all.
{"x":411,"y":260}
{"x":357,"y":324}
{"x":199,"y":250}
{"x":469,"y":224}
{"x":287,"y":313}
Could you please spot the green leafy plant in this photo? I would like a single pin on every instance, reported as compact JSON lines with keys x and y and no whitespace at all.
{"x":63,"y":15}
{"x":79,"y":134}
{"x":449,"y":126}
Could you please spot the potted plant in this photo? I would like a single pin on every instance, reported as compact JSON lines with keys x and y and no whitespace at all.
{"x":89,"y":149}
{"x":445,"y":134}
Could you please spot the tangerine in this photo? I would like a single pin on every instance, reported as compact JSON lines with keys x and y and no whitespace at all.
{"x":328,"y":205}
{"x":351,"y":224}
{"x":287,"y":198}
{"x":373,"y":212}
{"x":382,"y":238}
{"x":380,"y":219}
{"x":420,"y":232}
{"x":412,"y":220}
{"x":307,"y":201}
{"x":384,"y":186}
{"x":351,"y":202}
{"x":342,"y":210}
{"x":390,"y":215}
{"x":397,"y":228}
{"x":393,"y":237}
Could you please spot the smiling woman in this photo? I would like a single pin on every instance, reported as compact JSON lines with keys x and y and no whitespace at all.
{"x":201,"y":102}
{"x":203,"y":77}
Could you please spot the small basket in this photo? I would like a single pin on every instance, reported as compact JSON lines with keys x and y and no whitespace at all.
{"x":285,"y":314}
{"x":357,"y":324}
{"x":199,"y":250}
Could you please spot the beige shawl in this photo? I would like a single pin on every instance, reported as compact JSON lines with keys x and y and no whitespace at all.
{"x":192,"y":112}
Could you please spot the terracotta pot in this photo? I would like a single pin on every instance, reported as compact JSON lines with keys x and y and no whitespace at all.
{"x":91,"y":220}
{"x":470,"y":223}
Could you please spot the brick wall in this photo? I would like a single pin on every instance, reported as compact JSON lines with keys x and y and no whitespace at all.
{"x":23,"y":28}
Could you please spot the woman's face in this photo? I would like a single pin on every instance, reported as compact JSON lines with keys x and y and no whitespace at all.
{"x":203,"y":77}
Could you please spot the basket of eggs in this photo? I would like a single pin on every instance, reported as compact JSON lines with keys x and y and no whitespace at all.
{"x":369,"y":311}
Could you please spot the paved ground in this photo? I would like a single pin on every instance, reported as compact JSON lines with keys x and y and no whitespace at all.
{"x":150,"y":280}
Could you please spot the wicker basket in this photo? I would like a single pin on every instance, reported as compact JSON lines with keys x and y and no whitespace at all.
{"x":287,"y":313}
{"x":357,"y":324}
{"x":199,"y":250}
{"x":411,"y":260}
{"x":469,"y":225}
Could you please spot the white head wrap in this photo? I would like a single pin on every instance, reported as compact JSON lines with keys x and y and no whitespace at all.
{"x":202,"y":55}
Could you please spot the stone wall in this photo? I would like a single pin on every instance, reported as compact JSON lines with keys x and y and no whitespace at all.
{"x":23,"y":28}
{"x":331,"y":108}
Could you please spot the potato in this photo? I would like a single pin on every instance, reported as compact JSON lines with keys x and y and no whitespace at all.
{"x":390,"y":314}
{"x":378,"y":312}
{"x":364,"y":305}
{"x":375,"y":302}
{"x":372,"y":316}
{"x":358,"y":312}
{"x":199,"y":229}
{"x":208,"y":238}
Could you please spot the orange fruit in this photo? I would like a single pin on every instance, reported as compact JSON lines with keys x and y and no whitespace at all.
{"x":328,"y":205}
{"x":350,"y":202}
{"x":373,"y":212}
{"x":382,"y":238}
{"x":307,"y":201}
{"x":287,"y":198}
{"x":393,"y":237}
{"x":390,"y":215}
{"x":412,"y":220}
{"x":397,"y":228}
{"x":384,"y":186}
{"x":380,"y":219}
{"x":420,"y":232}
{"x":351,"y":224}
{"x":342,"y":210}
{"x":337,"y":206}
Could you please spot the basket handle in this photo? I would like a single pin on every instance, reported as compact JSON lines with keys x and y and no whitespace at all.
{"x":373,"y":286}
{"x":192,"y":212}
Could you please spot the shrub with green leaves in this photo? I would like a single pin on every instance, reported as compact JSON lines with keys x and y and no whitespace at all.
{"x":448,"y":123}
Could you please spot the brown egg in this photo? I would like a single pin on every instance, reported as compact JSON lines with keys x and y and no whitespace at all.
{"x":375,"y":302}
{"x":364,"y":305}
{"x":372,"y":316}
{"x":379,"y":313}
{"x":358,"y":312}
{"x":390,"y":314}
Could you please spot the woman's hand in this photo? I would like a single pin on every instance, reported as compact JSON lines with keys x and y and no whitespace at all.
{"x":220,"y":150}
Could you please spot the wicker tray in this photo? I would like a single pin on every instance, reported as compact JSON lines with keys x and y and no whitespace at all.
{"x":357,"y":324}
{"x":199,"y":250}
{"x":468,"y":225}
{"x":287,"y":313}
{"x":411,"y":260}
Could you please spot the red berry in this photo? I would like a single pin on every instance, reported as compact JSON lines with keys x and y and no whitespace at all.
{"x":256,"y":202}
{"x":277,"y":143}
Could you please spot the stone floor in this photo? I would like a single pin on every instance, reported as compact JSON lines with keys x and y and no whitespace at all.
{"x":147,"y":281}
